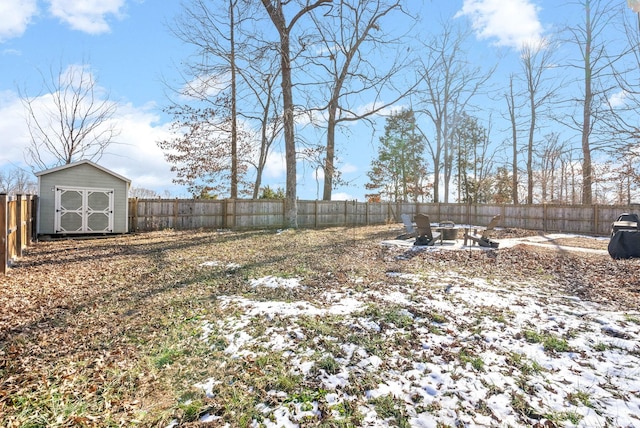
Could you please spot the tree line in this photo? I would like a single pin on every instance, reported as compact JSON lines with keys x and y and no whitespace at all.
{"x":257,"y":73}
{"x":17,"y":181}
{"x":550,"y":103}
{"x":277,"y":67}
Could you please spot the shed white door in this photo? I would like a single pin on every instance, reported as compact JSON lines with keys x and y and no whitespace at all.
{"x":83,"y":210}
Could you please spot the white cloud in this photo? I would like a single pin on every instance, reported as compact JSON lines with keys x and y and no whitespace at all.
{"x":15,"y":137}
{"x":135,"y":156}
{"x":618,"y":99}
{"x":16,"y":16}
{"x":341,"y":196}
{"x":510,"y":23}
{"x":89,"y":16}
{"x":386,"y":111}
{"x":276,"y":166}
{"x":205,"y":86}
{"x":318,"y":173}
{"x":348,"y":168}
{"x":13,"y":52}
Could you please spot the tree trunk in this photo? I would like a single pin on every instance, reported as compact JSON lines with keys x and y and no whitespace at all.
{"x":514,"y":144}
{"x":436,"y":163}
{"x":436,"y":179}
{"x":330,"y":151}
{"x":234,"y":117}
{"x":532,"y":127}
{"x":587,"y":197}
{"x":291,"y":203}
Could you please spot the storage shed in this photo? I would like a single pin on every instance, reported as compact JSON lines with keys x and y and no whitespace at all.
{"x":82,"y":198}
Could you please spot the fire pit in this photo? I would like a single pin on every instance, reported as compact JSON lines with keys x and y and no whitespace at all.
{"x":448,"y":231}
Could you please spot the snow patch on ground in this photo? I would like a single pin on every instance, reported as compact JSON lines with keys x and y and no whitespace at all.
{"x":458,"y":351}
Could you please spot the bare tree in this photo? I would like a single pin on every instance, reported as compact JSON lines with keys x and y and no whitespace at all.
{"x":625,"y":108}
{"x":512,"y":109}
{"x":233,"y":68}
{"x":572,"y":178}
{"x":17,"y":181}
{"x":351,"y":35}
{"x":284,"y":28}
{"x":626,"y":176}
{"x":142,"y":193}
{"x":71,"y":119}
{"x":450,"y":82}
{"x":595,"y":64}
{"x":212,"y":31}
{"x":549,"y":161}
{"x":536,"y":60}
{"x":260,"y":78}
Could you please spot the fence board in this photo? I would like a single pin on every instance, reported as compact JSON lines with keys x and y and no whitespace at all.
{"x":12,"y":229}
{"x":4,"y":253}
{"x":155,"y":214}
{"x":257,"y":213}
{"x":17,"y":215}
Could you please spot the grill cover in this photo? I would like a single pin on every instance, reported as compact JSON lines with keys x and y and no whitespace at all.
{"x":624,"y":244}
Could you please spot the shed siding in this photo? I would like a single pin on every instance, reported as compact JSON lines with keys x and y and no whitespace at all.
{"x":84,"y":176}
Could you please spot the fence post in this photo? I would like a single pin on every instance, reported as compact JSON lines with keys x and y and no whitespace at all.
{"x":230,"y":221}
{"x":133,"y":215}
{"x":284,"y":213}
{"x":346,"y":212}
{"x":175,"y":214}
{"x":366,"y":213}
{"x":3,"y":233}
{"x":29,"y":220}
{"x":19,"y":219}
{"x":315,"y":214}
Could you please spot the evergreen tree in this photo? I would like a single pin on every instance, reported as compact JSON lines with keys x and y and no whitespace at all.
{"x":502,"y":186}
{"x":269,"y":193}
{"x":399,"y":173}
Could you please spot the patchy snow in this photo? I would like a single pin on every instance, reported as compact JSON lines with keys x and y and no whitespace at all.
{"x":454,"y":351}
{"x":216,"y":263}
{"x":207,"y":386}
{"x":458,"y":244}
{"x":275,"y":282}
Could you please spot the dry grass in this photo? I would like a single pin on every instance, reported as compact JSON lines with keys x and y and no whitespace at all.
{"x":106,"y":332}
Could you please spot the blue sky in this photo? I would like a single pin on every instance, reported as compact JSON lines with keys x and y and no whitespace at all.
{"x":128,"y":46}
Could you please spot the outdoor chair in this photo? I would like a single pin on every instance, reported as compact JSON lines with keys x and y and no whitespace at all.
{"x":425,"y":235}
{"x":410,"y":230}
{"x":483,"y":239}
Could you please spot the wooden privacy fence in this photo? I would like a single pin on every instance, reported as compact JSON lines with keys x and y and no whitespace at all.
{"x":17,"y":217}
{"x":183,"y":214}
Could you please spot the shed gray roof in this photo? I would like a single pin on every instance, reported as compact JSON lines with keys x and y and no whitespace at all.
{"x":81,"y":162}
